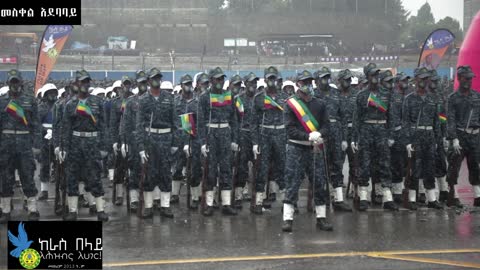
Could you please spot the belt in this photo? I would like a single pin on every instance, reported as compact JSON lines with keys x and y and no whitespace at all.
{"x":17,"y":132}
{"x":245,"y":129}
{"x":470,"y":130}
{"x":397,"y":128}
{"x":332,"y":120}
{"x":85,"y":134}
{"x":273,"y":126}
{"x":349,"y":125}
{"x":218,"y":125}
{"x":424,"y":127}
{"x":308,"y":143}
{"x":47,"y":125}
{"x":158,"y":130}
{"x":375,"y":121}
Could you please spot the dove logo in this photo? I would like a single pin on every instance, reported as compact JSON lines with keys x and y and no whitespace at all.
{"x":29,"y":258}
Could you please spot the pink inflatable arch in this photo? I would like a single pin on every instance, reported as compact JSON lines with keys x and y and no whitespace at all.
{"x":470,"y":52}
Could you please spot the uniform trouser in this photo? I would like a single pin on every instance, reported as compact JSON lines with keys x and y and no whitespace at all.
{"x":16,"y":153}
{"x":196,"y":163}
{"x":83,"y":162}
{"x":246,"y":155}
{"x":470,"y":151}
{"x":135,"y":167}
{"x":372,"y":145}
{"x":398,"y":157}
{"x":350,"y":155}
{"x":219,"y":158}
{"x":335,"y":154}
{"x":440,"y":160}
{"x":272,"y":150}
{"x":159,"y":162}
{"x":46,"y":158}
{"x":423,"y":165}
{"x":299,"y":160}
{"x":180,"y":159}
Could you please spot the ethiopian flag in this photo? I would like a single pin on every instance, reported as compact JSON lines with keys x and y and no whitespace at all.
{"x":239,"y":106}
{"x":442,"y":117}
{"x":220,"y":100}
{"x":303,"y":114}
{"x":376,"y":102}
{"x":84,"y":110}
{"x":16,"y":111}
{"x":269,"y":103}
{"x":188,"y":123}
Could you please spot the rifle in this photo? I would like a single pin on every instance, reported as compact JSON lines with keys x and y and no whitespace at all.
{"x":60,"y":207}
{"x":234,"y":175}
{"x":255,"y":171}
{"x":205,"y":164}
{"x":356,"y":198}
{"x":189,"y":172}
{"x":144,"y":173}
{"x":408,"y":176}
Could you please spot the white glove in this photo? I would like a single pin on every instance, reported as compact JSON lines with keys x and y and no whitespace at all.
{"x":314,"y":136}
{"x":446,"y":144}
{"x":186,"y":149}
{"x":61,"y":155}
{"x":234,"y":147}
{"x":36,"y":151}
{"x":56,"y":152}
{"x":173,"y":150}
{"x":456,"y":146}
{"x":256,"y":151}
{"x":103,"y":154}
{"x":124,"y":150}
{"x":143,"y":157}
{"x":204,"y":150}
{"x":409,"y":150}
{"x":390,"y":142}
{"x":115,"y":148}
{"x":344,"y":146}
{"x":48,"y":136}
{"x":354,"y":146}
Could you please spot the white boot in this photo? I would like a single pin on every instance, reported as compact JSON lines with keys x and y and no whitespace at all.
{"x":111,"y":174}
{"x":431,"y":196}
{"x":176,"y":187}
{"x":72,"y":204}
{"x":148,"y":199}
{"x":133,"y":195}
{"x":273,"y":187}
{"x":321,"y":211}
{"x":44,"y":186}
{"x":339,"y":194}
{"x":195,"y":193}
{"x":442,"y":183}
{"x":6,"y":204}
{"x":476,"y":191}
{"x":421,"y":187}
{"x":156,"y":193}
{"x":281,"y":197}
{"x":238,"y":193}
{"x":226,"y":197}
{"x":164,"y":199}
{"x":100,"y":204}
{"x":90,"y":199}
{"x":119,"y":189}
{"x":412,"y":195}
{"x":81,"y":188}
{"x":209,"y":198}
{"x":259,"y":198}
{"x":288,"y":211}
{"x":362,"y":193}
{"x":387,"y":195}
{"x":397,"y":188}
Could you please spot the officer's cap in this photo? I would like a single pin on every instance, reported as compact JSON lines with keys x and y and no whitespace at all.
{"x":465,"y":71}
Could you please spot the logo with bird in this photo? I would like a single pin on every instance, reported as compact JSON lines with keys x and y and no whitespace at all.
{"x":29,"y":258}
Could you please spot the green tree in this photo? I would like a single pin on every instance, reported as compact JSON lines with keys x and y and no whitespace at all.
{"x":452,"y":25}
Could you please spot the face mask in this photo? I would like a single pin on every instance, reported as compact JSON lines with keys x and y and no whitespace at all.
{"x":218,"y":86}
{"x":421,"y":84}
{"x":187,"y":88}
{"x":307,"y":89}
{"x":324,"y":81}
{"x":270,"y":84}
{"x":126,"y":89}
{"x":84,"y":88}
{"x":433,"y":85}
{"x":466,"y":85}
{"x":346,"y":84}
{"x":51,"y":97}
{"x":251,"y":89}
{"x":142,"y":88}
{"x":403,"y":85}
{"x":374,"y":81}
{"x":236,"y":90}
{"x":14,"y":88}
{"x":155,"y":83}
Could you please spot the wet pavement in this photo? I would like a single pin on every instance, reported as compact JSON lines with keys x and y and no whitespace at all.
{"x":425,"y":239}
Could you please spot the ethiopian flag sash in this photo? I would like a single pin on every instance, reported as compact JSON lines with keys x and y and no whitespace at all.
{"x":303,"y":114}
